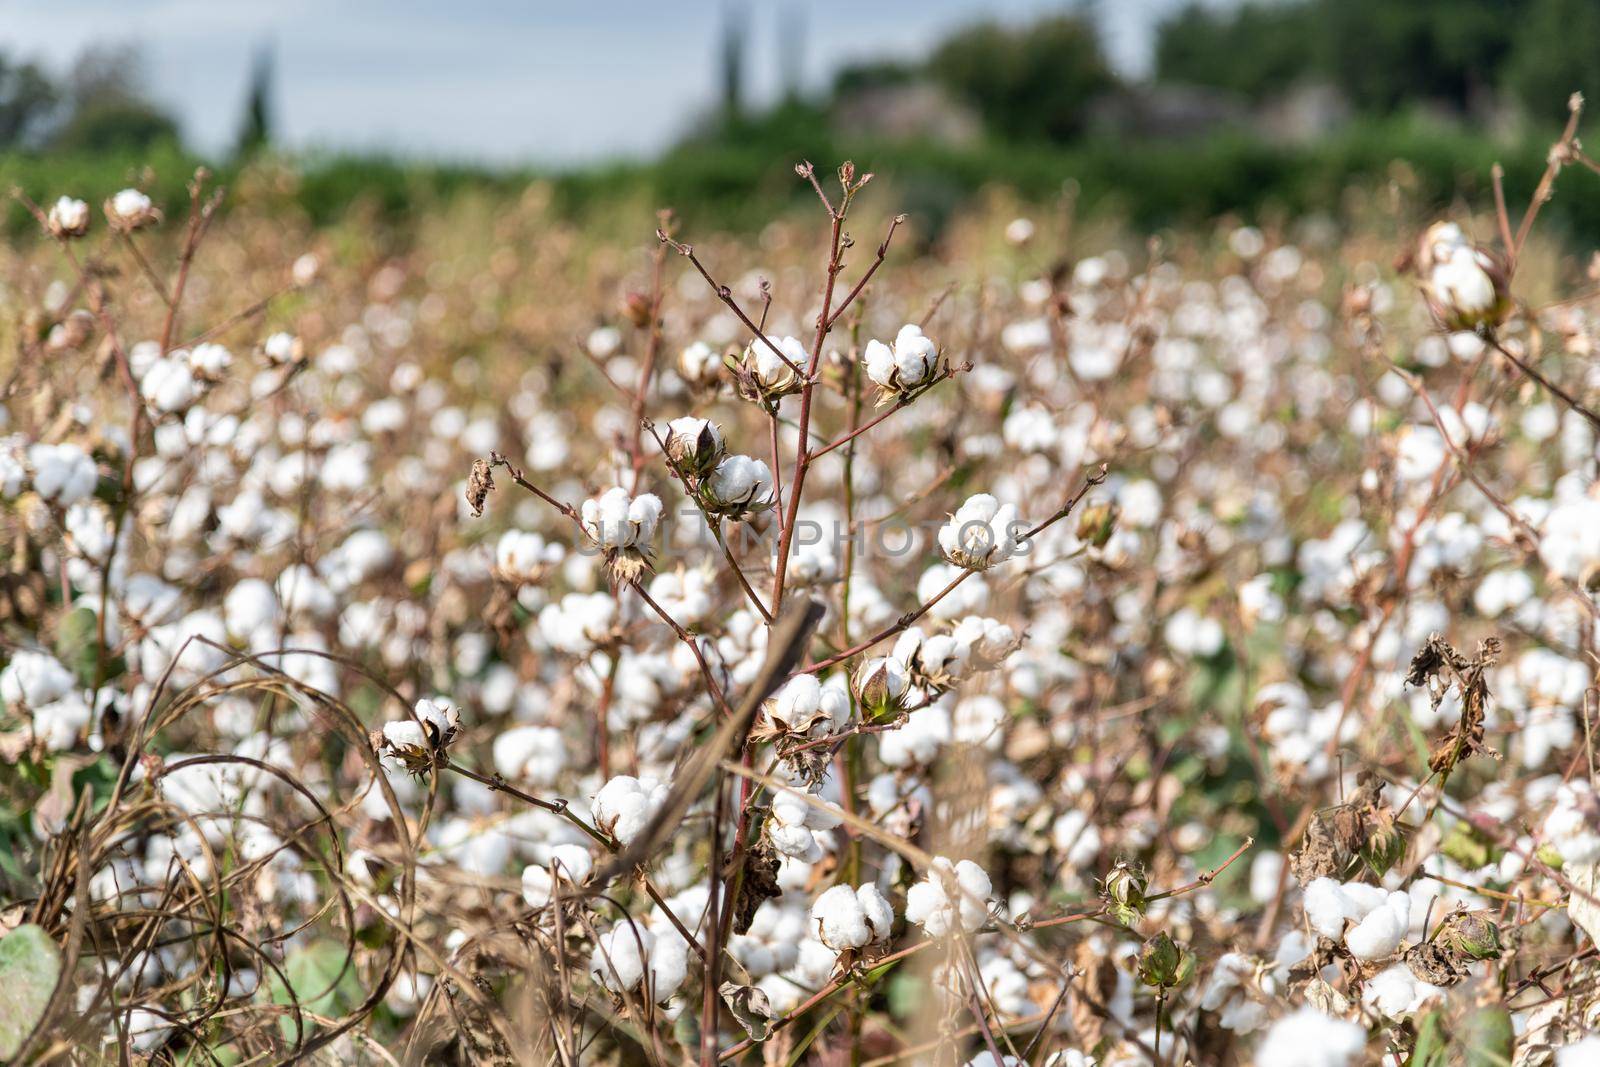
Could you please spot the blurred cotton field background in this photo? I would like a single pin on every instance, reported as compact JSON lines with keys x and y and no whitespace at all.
{"x":994,"y":635}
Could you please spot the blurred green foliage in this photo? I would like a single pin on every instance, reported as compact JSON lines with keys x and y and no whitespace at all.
{"x":740,"y":182}
{"x":1459,"y":54}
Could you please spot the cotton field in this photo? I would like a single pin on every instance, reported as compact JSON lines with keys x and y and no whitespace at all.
{"x":1037,"y":645}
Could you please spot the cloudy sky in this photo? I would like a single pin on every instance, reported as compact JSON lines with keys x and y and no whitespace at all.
{"x":551,"y":81}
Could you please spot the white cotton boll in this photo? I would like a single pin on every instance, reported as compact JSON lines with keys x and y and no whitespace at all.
{"x":1189,"y":633}
{"x":987,"y":1059}
{"x":407,"y":993}
{"x":33,"y":679}
{"x":909,"y":362}
{"x":58,"y":724}
{"x":534,"y":755}
{"x":604,"y":342}
{"x":1031,"y":429}
{"x":614,"y":520}
{"x":964,"y":599}
{"x":985,"y":642}
{"x":699,"y":362}
{"x":951,"y":897}
{"x":1584,"y":1053}
{"x":168,"y":386}
{"x":738,"y":485}
{"x":1308,"y":1038}
{"x":1396,"y":992}
{"x":1074,"y":835}
{"x":251,"y":610}
{"x":772,"y":374}
{"x":1026,"y":336}
{"x":304,"y":594}
{"x":1327,"y":907}
{"x":68,"y":217}
{"x":918,"y":740}
{"x":281,"y":348}
{"x":521,"y":556}
{"x":62,"y":474}
{"x":208,"y":361}
{"x":145,"y":1030}
{"x":1379,"y":933}
{"x":624,"y":955}
{"x":841,"y":922}
{"x":570,"y":863}
{"x":977,"y":720}
{"x":1501,"y":591}
{"x":625,"y":805}
{"x":982,"y":533}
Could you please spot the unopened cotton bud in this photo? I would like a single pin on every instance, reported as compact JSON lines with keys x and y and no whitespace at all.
{"x":880,"y":685}
{"x":1124,"y":890}
{"x":694,"y":445}
{"x":1164,"y":964}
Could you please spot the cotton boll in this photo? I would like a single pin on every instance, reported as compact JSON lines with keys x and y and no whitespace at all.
{"x":953,"y":896}
{"x":1378,"y":935}
{"x":1396,"y":992}
{"x":34,"y":679}
{"x":625,"y":805}
{"x":1308,"y":1038}
{"x":624,"y":955}
{"x":532,"y":755}
{"x":982,"y":533}
{"x":62,"y":474}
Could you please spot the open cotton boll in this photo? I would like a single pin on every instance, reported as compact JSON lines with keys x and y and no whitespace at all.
{"x":1378,"y":919}
{"x":1396,"y":992}
{"x":1584,"y":1053}
{"x":62,"y":474}
{"x":568,"y":863}
{"x":625,"y":805}
{"x":953,"y":896}
{"x":530,"y":755}
{"x":982,"y":533}
{"x":628,"y":952}
{"x":33,"y":679}
{"x":615,"y":520}
{"x":852,"y":918}
{"x":1308,"y":1038}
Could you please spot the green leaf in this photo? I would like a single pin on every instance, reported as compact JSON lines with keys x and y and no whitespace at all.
{"x":78,"y":646}
{"x":1432,"y":1047}
{"x":30,"y":966}
{"x":319,"y":980}
{"x":1488,"y":1038}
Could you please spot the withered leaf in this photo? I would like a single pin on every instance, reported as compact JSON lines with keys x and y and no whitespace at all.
{"x":759,"y":885}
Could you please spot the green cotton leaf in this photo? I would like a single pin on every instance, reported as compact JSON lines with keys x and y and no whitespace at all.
{"x":78,"y":647}
{"x":30,"y":966}
{"x":320,"y":982}
{"x":1468,"y":846}
{"x":1488,"y":1038}
{"x":1433,"y":1047}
